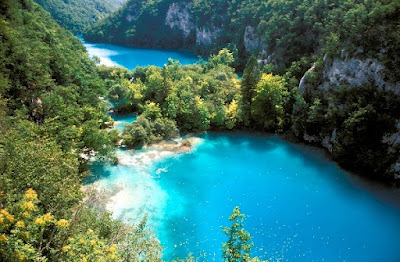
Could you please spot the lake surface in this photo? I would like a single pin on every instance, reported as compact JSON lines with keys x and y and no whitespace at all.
{"x":130,"y":57}
{"x":300,"y":206}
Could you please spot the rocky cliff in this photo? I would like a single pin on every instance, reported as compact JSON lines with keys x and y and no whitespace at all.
{"x":354,"y":73}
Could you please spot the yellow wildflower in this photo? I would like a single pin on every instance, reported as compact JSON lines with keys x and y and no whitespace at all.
{"x":4,"y":214}
{"x":65,"y":248}
{"x":84,"y":259}
{"x":93,"y":242}
{"x":28,"y":205}
{"x":48,"y":217}
{"x":20,"y":256}
{"x":112,"y":256}
{"x":31,"y":194}
{"x":26,"y":214}
{"x":62,"y":223}
{"x":70,"y":239}
{"x":10,"y":218}
{"x":112,"y":249}
{"x":90,"y":231}
{"x":1,"y":218}
{"x":25,"y":234}
{"x":40,"y":221}
{"x":20,"y":223}
{"x":3,"y":238}
{"x":81,"y":241}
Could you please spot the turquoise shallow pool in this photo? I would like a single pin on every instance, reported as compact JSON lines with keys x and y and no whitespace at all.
{"x":300,"y":206}
{"x":122,"y":120}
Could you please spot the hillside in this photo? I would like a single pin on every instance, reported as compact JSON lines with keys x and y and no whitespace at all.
{"x":50,"y":117}
{"x":76,"y":15}
{"x":279,"y":32}
{"x":341,"y":57}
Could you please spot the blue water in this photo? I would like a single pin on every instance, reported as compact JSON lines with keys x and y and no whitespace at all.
{"x":300,"y":206}
{"x":130,"y":57}
{"x":122,"y":120}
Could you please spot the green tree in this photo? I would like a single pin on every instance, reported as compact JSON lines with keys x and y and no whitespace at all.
{"x":251,"y":76}
{"x":135,"y":135}
{"x":267,"y":104}
{"x":152,"y":111}
{"x":232,"y":115}
{"x":224,"y":57}
{"x":239,"y":244}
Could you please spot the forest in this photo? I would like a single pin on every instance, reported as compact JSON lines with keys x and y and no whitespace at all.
{"x":76,"y":15}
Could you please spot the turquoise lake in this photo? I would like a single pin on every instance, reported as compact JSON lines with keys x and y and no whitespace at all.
{"x":300,"y":205}
{"x":129,"y":57}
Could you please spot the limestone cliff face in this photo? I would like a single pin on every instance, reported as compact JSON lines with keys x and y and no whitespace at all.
{"x":179,"y":17}
{"x":206,"y":36}
{"x":251,"y":41}
{"x":350,"y":71}
{"x":393,"y":140}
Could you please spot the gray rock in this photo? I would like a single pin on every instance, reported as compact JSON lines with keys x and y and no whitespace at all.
{"x":303,"y":80}
{"x":179,"y":17}
{"x":356,"y":72}
{"x":310,"y":139}
{"x":251,"y":40}
{"x":329,"y":141}
{"x":206,"y":36}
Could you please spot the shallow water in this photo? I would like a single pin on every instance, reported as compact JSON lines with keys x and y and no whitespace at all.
{"x":121,"y":120}
{"x":300,"y":206}
{"x":130,"y":57}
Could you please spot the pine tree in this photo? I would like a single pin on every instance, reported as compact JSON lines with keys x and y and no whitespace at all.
{"x":251,"y":76}
{"x":239,"y":244}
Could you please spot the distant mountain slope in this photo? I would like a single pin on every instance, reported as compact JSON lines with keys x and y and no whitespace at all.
{"x":76,"y":15}
{"x":280,"y":32}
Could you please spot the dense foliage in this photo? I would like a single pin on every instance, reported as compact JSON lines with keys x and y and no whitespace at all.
{"x":209,"y":96}
{"x":76,"y":15}
{"x":51,"y":119}
{"x":196,"y":97}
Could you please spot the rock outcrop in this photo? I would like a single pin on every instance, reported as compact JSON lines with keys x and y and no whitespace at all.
{"x":206,"y":36}
{"x":345,"y":71}
{"x":179,"y":17}
{"x":251,"y":40}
